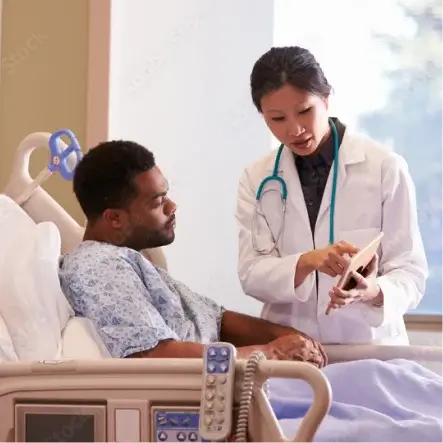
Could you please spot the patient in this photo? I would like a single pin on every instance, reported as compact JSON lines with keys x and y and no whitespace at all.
{"x":138,"y":309}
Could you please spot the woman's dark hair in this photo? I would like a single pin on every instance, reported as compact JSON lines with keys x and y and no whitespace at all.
{"x":287,"y":65}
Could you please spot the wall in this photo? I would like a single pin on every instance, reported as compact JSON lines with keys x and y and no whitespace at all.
{"x":180,"y":85}
{"x":44,"y":71}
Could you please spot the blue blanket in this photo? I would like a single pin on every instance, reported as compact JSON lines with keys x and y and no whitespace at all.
{"x":373,"y":401}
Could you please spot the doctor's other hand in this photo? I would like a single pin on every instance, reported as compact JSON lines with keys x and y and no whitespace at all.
{"x":297,"y":347}
{"x":330,"y":260}
{"x":365,"y":288}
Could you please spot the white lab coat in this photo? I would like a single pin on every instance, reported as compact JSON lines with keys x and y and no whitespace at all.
{"x":374,"y":193}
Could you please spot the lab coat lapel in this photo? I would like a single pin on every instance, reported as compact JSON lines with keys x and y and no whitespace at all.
{"x":298,"y":214}
{"x":349,"y":153}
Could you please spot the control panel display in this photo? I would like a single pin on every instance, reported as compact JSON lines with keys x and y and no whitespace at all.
{"x":175,"y":424}
{"x":59,"y":427}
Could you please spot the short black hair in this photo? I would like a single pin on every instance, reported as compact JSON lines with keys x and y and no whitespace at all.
{"x":104,"y":178}
{"x":287,"y":65}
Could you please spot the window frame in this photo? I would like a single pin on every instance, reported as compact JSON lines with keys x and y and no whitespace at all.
{"x":423,"y":322}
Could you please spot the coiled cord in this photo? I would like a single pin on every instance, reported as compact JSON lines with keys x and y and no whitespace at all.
{"x":241,"y":433}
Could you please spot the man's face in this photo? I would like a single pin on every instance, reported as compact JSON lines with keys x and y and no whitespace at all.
{"x":149,"y":221}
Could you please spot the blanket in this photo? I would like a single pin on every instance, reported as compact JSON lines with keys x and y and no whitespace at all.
{"x":373,"y":401}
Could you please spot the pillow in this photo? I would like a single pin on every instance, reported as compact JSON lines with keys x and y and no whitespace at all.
{"x":81,"y":341}
{"x":7,"y":351}
{"x":32,"y":303}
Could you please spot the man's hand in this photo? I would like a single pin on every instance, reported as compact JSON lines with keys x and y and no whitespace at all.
{"x":296,"y":347}
{"x":365,"y":290}
{"x":331,"y":260}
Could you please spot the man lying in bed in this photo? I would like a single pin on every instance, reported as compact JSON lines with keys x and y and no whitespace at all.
{"x":138,"y":309}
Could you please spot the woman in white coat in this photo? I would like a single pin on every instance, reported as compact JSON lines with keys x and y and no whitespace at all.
{"x":333,"y":207}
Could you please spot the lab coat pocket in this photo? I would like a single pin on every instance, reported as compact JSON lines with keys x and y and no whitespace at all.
{"x":359,"y":237}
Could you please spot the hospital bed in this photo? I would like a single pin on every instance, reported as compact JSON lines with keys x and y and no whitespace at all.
{"x":57,"y":380}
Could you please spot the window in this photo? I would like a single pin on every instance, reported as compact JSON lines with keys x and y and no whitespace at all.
{"x":384,"y":61}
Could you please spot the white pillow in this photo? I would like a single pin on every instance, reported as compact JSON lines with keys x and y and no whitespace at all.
{"x":7,"y":351}
{"x":32,"y":303}
{"x":81,"y":341}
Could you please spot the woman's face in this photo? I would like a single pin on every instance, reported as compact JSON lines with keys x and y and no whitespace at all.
{"x":297,"y":118}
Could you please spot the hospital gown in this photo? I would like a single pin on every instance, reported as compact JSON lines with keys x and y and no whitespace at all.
{"x":133,"y":304}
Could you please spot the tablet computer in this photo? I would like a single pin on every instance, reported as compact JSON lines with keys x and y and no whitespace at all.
{"x":359,"y":262}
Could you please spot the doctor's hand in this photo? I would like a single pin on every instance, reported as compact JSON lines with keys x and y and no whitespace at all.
{"x":331,"y":260}
{"x":365,"y":289}
{"x":296,"y":347}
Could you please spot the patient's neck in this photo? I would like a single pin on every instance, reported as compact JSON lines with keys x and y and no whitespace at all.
{"x":94,"y":232}
{"x":100,"y":231}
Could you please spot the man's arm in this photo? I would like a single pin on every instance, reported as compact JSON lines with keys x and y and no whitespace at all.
{"x":254,"y":333}
{"x":248,"y":334}
{"x":177,"y":349}
{"x":244,"y":330}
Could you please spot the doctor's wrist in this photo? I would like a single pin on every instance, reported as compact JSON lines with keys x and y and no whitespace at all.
{"x":378,"y":300}
{"x":375,"y":300}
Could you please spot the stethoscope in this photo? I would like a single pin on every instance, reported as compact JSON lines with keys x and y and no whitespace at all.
{"x":284,"y":194}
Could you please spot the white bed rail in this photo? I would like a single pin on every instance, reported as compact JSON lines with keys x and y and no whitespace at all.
{"x":27,"y":192}
{"x":119,"y":379}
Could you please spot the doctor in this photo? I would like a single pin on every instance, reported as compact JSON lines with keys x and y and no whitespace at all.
{"x":304,"y":208}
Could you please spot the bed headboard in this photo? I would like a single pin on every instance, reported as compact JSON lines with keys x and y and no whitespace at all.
{"x":40,"y":206}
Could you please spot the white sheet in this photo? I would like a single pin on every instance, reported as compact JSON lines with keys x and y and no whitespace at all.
{"x":372,"y":401}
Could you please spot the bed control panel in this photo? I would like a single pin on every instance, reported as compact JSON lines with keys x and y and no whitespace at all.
{"x":175,"y":424}
{"x":217,"y":396}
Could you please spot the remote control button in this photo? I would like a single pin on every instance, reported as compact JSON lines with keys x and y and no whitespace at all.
{"x":209,"y":405}
{"x":211,"y":367}
{"x":221,"y":407}
{"x":210,"y":380}
{"x":162,"y":436}
{"x":210,"y":395}
{"x":220,"y":419}
{"x":208,"y":420}
{"x":222,"y":379}
{"x":212,"y":352}
{"x":224,"y":352}
{"x":220,"y":394}
{"x":223,"y":367}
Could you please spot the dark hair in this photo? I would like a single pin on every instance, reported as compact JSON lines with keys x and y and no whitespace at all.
{"x":104,"y":178}
{"x":287,"y":65}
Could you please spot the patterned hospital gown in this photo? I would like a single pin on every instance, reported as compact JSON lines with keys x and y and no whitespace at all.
{"x":133,"y":304}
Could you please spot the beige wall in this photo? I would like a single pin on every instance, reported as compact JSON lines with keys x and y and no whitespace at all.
{"x":44,"y":73}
